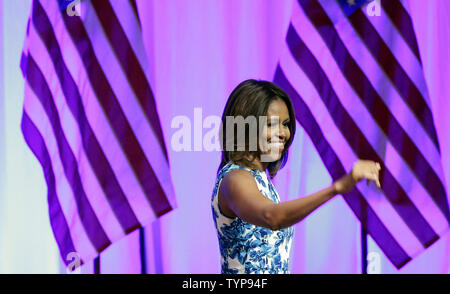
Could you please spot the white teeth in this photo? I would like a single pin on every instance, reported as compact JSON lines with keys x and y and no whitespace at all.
{"x":276,"y":144}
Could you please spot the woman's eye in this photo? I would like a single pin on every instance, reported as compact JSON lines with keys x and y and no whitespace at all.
{"x":272,"y":124}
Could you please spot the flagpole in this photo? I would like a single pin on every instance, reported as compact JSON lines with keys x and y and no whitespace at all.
{"x":97,"y":265}
{"x":363,"y":250}
{"x":142,"y":251}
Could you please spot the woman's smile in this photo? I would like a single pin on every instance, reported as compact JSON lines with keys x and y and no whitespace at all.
{"x":277,"y":145}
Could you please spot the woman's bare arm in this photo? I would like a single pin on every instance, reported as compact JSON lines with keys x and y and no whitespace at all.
{"x":241,"y":195}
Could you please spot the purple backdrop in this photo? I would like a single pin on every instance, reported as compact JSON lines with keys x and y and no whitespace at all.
{"x":200,"y":51}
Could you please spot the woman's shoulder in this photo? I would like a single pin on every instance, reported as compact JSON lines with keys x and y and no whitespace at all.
{"x":234,"y":174}
{"x":236,"y":168}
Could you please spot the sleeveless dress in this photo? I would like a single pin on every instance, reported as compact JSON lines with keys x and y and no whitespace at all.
{"x":247,"y":248}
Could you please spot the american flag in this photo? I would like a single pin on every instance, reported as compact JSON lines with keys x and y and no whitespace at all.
{"x":356,"y":80}
{"x":91,"y":120}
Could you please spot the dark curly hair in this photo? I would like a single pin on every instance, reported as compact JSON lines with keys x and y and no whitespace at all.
{"x":252,"y":98}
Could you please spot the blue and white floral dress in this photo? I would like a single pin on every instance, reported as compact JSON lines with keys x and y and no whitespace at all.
{"x":247,"y":248}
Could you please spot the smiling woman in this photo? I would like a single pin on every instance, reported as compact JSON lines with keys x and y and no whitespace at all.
{"x":258,"y":99}
{"x":254,"y":228}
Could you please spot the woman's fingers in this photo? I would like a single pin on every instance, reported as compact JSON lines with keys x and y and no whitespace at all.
{"x":374,"y":171}
{"x":373,"y":176}
{"x":378,"y":175}
{"x":367,"y":169}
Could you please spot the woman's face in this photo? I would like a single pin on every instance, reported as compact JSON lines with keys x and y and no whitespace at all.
{"x":275,"y":133}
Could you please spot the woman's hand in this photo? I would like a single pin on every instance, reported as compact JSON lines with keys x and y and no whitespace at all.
{"x":361,"y":169}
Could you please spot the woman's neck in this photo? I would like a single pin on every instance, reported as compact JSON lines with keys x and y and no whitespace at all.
{"x":260,"y":165}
